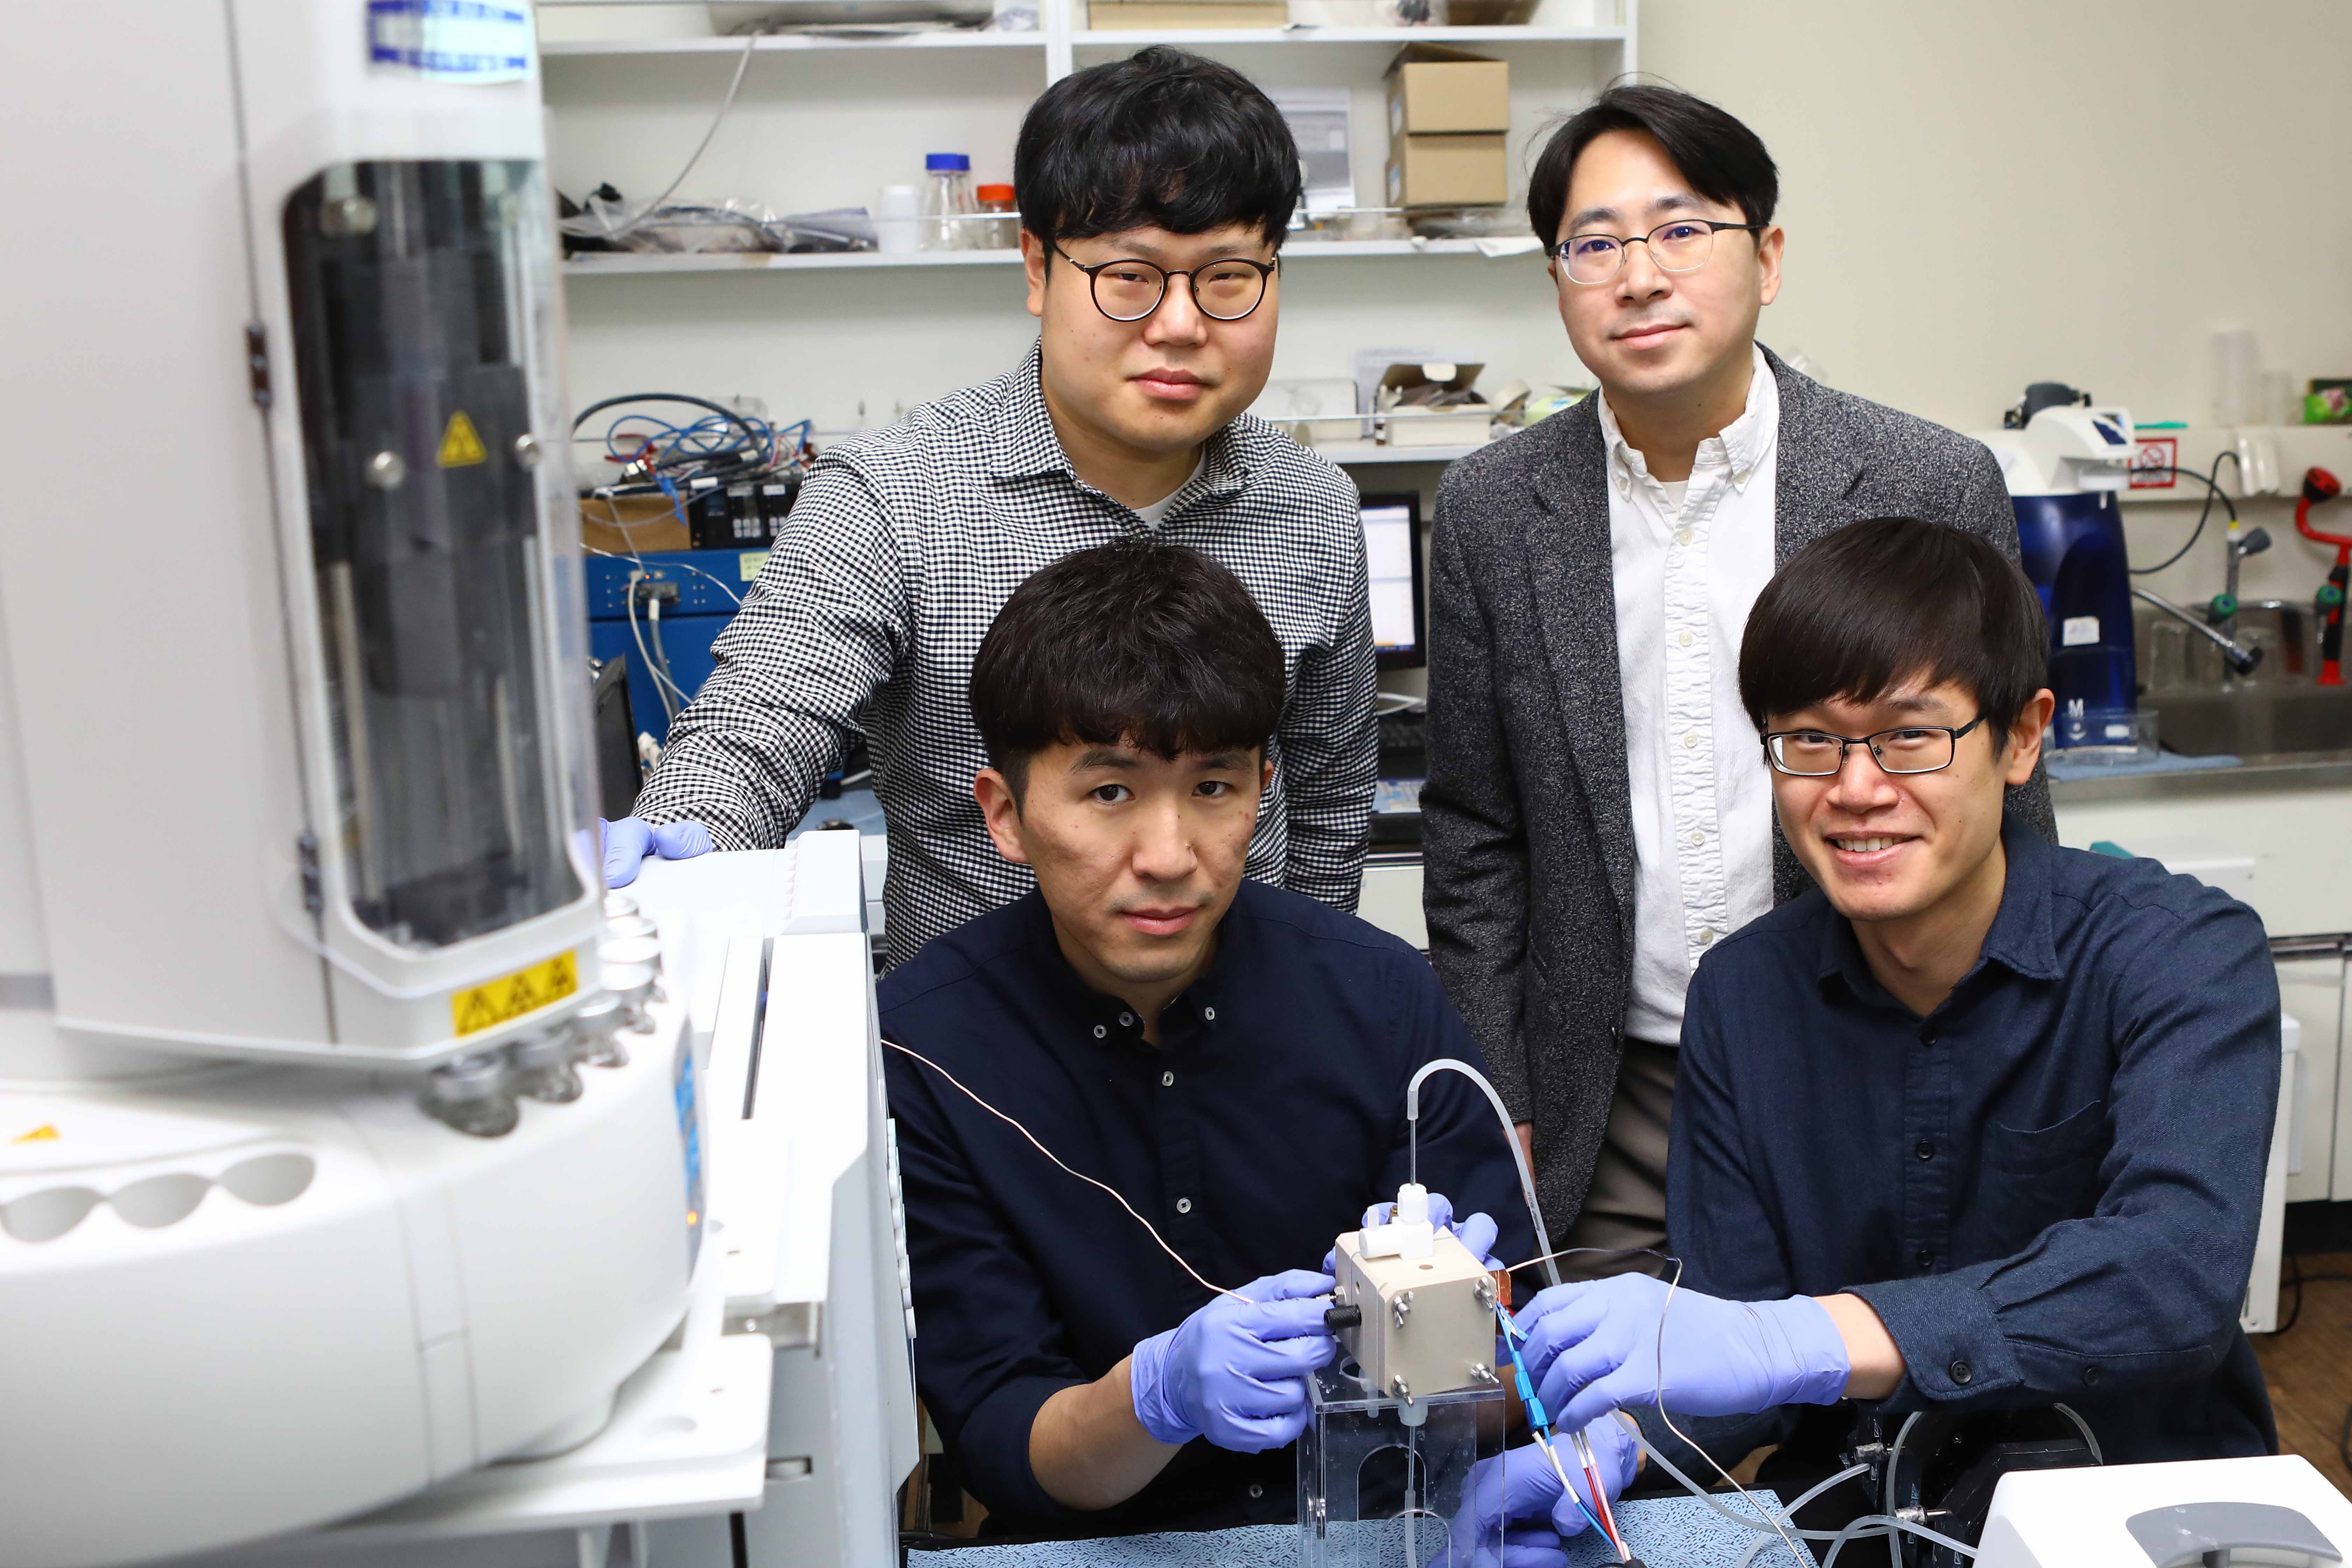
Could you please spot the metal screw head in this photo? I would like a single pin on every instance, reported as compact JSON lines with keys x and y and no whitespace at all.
{"x":526,"y":449}
{"x":347,"y":215}
{"x":386,"y":472}
{"x":1400,"y":1306}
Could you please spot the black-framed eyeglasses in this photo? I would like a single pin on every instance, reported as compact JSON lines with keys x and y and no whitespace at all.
{"x":1129,"y":291}
{"x":1681,"y":246}
{"x":1913,"y":749}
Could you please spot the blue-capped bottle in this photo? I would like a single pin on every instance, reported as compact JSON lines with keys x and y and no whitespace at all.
{"x":948,"y":207}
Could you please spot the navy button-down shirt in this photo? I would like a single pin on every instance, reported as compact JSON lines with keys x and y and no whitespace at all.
{"x":1270,"y":1114}
{"x":2047,"y":1188}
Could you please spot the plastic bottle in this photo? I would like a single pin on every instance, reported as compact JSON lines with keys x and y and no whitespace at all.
{"x":947,"y":203}
{"x":896,"y":228}
{"x":1001,"y":233}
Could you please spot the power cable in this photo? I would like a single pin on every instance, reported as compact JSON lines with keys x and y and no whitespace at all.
{"x":2212,"y":483}
{"x":750,"y":43}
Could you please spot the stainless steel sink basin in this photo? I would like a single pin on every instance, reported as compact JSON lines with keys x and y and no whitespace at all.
{"x":2256,"y":721}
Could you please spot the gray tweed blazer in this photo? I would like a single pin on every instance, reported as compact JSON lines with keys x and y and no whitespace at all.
{"x":1525,"y":817}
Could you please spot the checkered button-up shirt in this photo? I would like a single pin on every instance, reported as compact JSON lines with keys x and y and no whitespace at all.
{"x":902,"y":547}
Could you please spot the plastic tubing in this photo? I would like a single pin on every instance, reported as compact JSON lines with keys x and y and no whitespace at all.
{"x":1510,"y":1137}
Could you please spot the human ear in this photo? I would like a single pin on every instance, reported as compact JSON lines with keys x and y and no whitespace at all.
{"x":1033,"y":259}
{"x":1768,"y":261}
{"x":2025,"y":737}
{"x":1000,"y":808}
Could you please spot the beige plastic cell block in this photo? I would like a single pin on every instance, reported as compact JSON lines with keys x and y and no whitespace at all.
{"x":1427,"y":1323}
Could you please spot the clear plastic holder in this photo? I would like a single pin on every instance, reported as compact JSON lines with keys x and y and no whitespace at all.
{"x":1383,"y":1484}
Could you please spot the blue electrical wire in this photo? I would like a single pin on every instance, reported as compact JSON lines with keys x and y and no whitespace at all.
{"x":1537,"y":1421}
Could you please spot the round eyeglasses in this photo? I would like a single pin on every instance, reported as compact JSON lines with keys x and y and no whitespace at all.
{"x":1914,"y":749}
{"x":1681,"y":246}
{"x":1129,"y":291}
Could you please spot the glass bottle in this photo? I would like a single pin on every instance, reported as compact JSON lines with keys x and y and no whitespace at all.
{"x":1002,"y":232}
{"x":470,"y":1094}
{"x":542,"y":1066}
{"x":947,"y":203}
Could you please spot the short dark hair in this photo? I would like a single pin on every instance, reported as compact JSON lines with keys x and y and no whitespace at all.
{"x":1723,"y":160}
{"x":1162,"y":139}
{"x":1137,"y":641}
{"x":1875,"y":603}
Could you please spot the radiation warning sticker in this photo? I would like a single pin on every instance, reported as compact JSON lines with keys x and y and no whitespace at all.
{"x":525,"y":991}
{"x":46,"y":1132}
{"x":461,"y":447}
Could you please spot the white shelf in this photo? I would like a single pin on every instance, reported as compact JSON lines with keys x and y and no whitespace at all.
{"x":561,"y":48}
{"x":1355,"y":454}
{"x":639,"y":263}
{"x":1392,"y":36}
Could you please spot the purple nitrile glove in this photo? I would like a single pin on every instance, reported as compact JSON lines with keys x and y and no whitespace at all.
{"x":1477,"y":1232}
{"x":1593,"y":1348}
{"x":1538,"y":1518}
{"x":1235,"y":1372}
{"x":628,"y":841}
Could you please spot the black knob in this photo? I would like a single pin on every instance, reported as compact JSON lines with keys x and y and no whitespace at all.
{"x":1337,"y":1318}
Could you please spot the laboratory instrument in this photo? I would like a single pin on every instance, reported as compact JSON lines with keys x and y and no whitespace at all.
{"x":2065,"y":460}
{"x":336,"y":1165}
{"x":2207,"y":1513}
{"x":2320,"y":486}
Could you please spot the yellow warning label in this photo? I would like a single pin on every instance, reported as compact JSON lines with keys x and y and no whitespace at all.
{"x":460,"y":446}
{"x":524,"y":991}
{"x":46,"y":1132}
{"x":751,"y":561}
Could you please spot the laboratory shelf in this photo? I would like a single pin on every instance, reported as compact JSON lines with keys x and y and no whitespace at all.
{"x":560,"y":49}
{"x":1392,"y":36}
{"x":636,"y":263}
{"x":1356,"y":454}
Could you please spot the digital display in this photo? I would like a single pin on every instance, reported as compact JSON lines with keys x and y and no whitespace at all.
{"x":1387,"y":550}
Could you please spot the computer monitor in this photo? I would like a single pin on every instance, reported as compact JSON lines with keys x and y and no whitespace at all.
{"x":1393,"y":552}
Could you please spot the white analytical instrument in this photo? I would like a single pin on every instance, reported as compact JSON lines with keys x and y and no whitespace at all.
{"x":355,"y":1170}
{"x":2209,"y":1513}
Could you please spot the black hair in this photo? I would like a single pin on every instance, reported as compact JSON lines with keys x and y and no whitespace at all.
{"x":1162,"y":139}
{"x":1722,"y":159}
{"x":1138,"y":641}
{"x":1892,"y":600}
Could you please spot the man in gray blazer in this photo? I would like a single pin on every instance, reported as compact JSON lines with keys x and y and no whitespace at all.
{"x":1598,"y":811}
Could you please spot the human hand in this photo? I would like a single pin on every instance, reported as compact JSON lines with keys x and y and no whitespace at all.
{"x":1235,"y":1371}
{"x":1477,"y":1232}
{"x":1594,"y":1347}
{"x":1538,"y":1518}
{"x":628,"y":841}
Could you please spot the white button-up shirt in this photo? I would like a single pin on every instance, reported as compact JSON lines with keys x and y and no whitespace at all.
{"x":1688,"y":561}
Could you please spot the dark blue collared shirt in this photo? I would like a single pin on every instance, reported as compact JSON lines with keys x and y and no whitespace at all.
{"x":1270,"y":1114}
{"x":2048,"y":1188}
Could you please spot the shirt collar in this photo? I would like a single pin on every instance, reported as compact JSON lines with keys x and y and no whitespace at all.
{"x":1113,"y":1017}
{"x":1028,"y":448}
{"x":2021,"y":939}
{"x":1740,"y":446}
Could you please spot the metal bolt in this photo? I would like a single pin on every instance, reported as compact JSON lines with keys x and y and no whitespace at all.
{"x":1398,"y":1387}
{"x":1484,"y":1292}
{"x":386,"y":472}
{"x":1400,"y":1306}
{"x":526,"y":449}
{"x":347,"y":215}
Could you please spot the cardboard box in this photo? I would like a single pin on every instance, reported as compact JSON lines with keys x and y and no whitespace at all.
{"x":1435,"y":403}
{"x":1438,"y":92}
{"x":1133,"y":15}
{"x":1448,"y":171}
{"x":649,"y":522}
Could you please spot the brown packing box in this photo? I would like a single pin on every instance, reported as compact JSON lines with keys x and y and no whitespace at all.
{"x":1437,"y":91}
{"x":651,"y":524}
{"x":1448,"y":171}
{"x":1131,"y":15}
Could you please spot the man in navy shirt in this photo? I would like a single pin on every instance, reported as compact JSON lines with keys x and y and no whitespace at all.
{"x":1230,"y":1059}
{"x":1979,"y":1123}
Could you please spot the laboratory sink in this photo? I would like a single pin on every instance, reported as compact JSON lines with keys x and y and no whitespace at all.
{"x":2256,"y":721}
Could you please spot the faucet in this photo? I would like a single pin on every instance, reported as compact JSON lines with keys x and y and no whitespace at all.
{"x":2241,"y":658}
{"x":2222,"y":611}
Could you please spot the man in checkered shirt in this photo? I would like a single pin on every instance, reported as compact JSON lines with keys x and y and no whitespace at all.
{"x":1154,"y":195}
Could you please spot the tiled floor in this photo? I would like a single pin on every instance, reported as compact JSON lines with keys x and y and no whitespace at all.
{"x":2309,"y":1366}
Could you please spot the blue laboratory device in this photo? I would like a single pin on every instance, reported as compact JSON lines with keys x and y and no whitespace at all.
{"x":690,"y":621}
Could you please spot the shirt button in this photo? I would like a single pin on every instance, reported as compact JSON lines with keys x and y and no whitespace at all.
{"x":1256,"y":1490}
{"x":1707,"y":937}
{"x":1696,"y":837}
{"x":1926,"y":1149}
{"x":2090,"y":1375}
{"x":1210,"y":1014}
{"x":1127,"y":1019}
{"x":1101,"y":1033}
{"x":1681,"y":536}
{"x":1690,"y":738}
{"x":1682,"y":639}
{"x":1927,"y":1036}
{"x":1183,"y":1205}
{"x":1168,"y":1081}
{"x":1926,"y":1258}
{"x":1962,"y":1373}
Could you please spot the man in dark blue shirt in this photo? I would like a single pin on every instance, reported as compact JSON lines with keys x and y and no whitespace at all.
{"x":1979,"y":1123}
{"x":1229,"y":1058}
